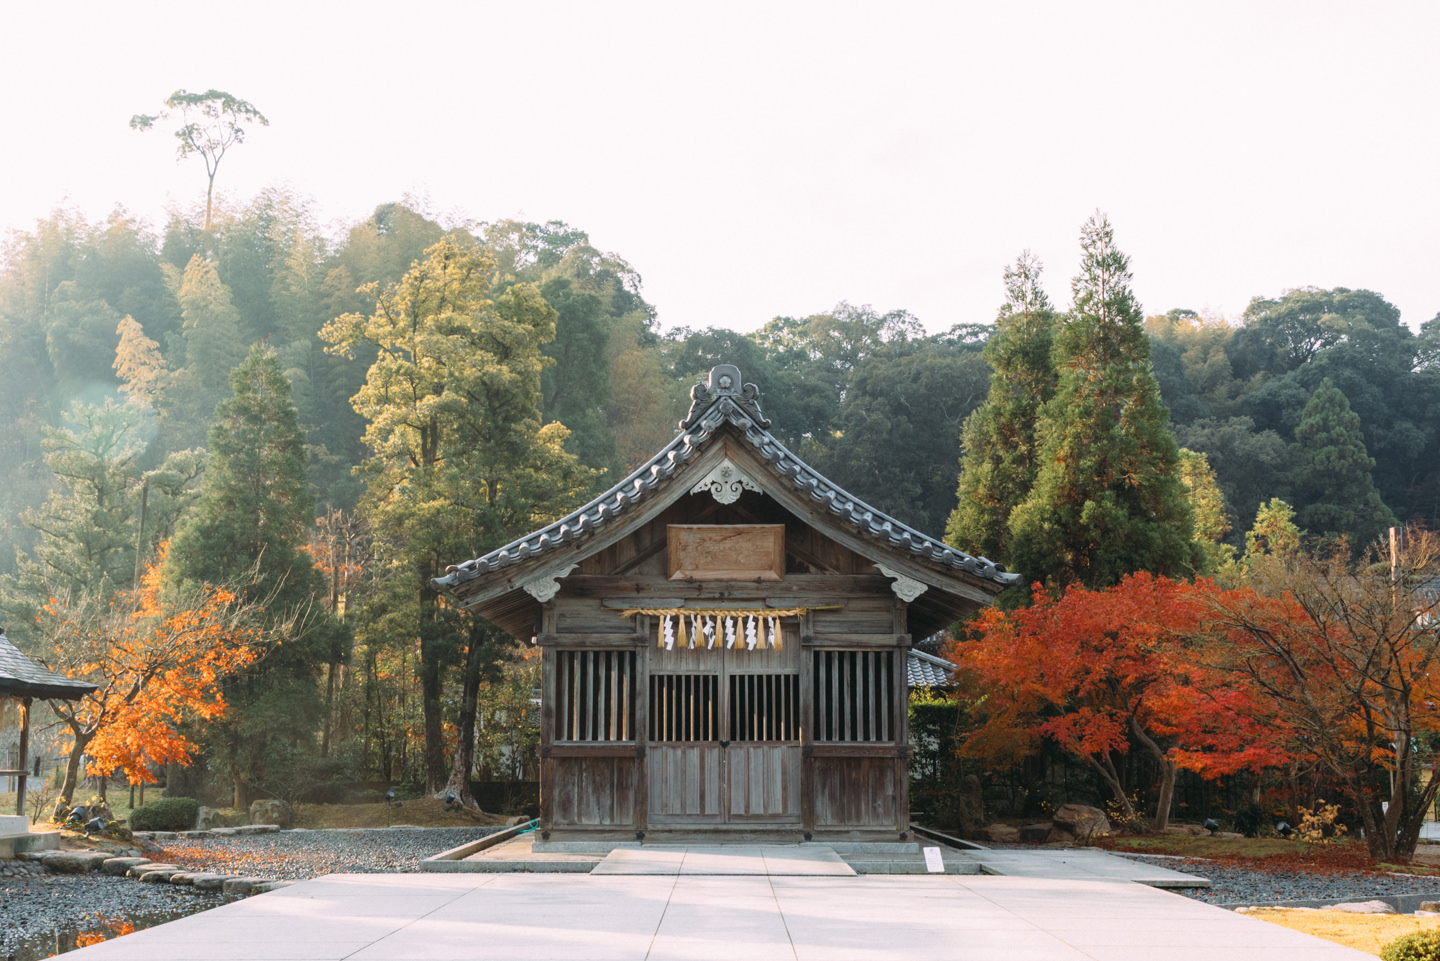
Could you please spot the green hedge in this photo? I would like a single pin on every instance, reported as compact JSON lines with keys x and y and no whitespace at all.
{"x":1420,"y":946}
{"x":166,"y":814}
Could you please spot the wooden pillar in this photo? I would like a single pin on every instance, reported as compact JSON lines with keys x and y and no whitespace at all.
{"x":547,"y":732}
{"x":807,"y":726}
{"x":24,"y":755}
{"x":641,"y":734}
{"x":901,"y":719}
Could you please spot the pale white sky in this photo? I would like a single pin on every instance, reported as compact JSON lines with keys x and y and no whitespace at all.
{"x":758,"y":159}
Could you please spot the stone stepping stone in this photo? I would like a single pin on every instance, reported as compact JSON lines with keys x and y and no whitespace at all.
{"x":210,"y":882}
{"x":75,"y":862}
{"x":243,"y":885}
{"x":257,"y":829}
{"x":270,"y":886}
{"x":159,"y":874}
{"x":118,"y":866}
{"x":137,"y":870}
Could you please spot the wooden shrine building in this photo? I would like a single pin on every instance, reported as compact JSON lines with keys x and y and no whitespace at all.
{"x":724,"y":638}
{"x":22,"y":680}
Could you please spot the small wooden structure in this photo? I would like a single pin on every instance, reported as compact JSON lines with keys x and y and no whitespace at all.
{"x":21,"y":681}
{"x":725,"y":639}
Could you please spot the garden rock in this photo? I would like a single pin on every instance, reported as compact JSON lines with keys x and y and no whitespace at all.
{"x":243,"y":885}
{"x":158,"y":875}
{"x":257,"y":829}
{"x":970,"y":805}
{"x":1430,"y":906}
{"x":137,"y":870}
{"x":264,"y":886}
{"x":1002,"y":833}
{"x":1082,"y":821}
{"x":118,"y":866}
{"x":210,"y":882}
{"x":272,"y":811}
{"x":76,"y":862}
{"x":1037,"y":833}
{"x":1365,"y":907}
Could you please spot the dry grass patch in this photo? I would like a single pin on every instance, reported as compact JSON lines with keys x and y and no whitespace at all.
{"x":1363,"y":932}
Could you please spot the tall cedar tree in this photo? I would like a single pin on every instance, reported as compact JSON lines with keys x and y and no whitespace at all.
{"x":248,"y":530}
{"x":1331,"y":471}
{"x":460,"y":461}
{"x":1000,"y":456}
{"x":1108,"y":499}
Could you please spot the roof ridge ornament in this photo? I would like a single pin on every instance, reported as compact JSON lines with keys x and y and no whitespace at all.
{"x":726,"y":481}
{"x":724,"y":383}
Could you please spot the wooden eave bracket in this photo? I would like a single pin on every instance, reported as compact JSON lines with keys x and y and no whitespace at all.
{"x":546,"y":586}
{"x":906,"y":588}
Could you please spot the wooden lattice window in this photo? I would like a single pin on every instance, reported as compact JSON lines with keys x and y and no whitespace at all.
{"x":684,"y":707}
{"x":595,"y":694}
{"x":854,"y":695}
{"x":764,"y":707}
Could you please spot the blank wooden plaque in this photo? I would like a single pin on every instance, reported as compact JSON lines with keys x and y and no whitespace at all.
{"x":726,"y":552}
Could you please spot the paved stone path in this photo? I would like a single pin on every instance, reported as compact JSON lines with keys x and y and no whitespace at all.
{"x":679,"y":917}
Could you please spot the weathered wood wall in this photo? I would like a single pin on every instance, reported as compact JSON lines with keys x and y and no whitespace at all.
{"x":847,"y":781}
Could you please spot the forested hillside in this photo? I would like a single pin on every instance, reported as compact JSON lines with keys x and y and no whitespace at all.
{"x":135,"y":355}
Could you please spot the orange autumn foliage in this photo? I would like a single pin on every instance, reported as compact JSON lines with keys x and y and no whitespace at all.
{"x":157,"y":662}
{"x":1101,"y":671}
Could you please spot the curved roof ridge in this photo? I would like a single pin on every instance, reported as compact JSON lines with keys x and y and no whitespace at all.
{"x":713,"y":406}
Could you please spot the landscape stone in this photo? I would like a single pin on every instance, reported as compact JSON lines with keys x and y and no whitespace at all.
{"x":970,"y":805}
{"x":255,"y":829}
{"x":269,"y":886}
{"x":1365,"y":907}
{"x":1002,"y":833}
{"x":76,"y":862}
{"x":118,"y":866}
{"x":272,"y":811}
{"x":242,"y":885}
{"x":136,"y":870}
{"x":1082,"y":821}
{"x":1430,"y":905}
{"x":1037,"y":832}
{"x":210,"y":882}
{"x":159,"y":875}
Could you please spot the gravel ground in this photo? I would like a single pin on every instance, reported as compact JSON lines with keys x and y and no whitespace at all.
{"x":40,"y":913}
{"x":296,"y":855}
{"x":1232,"y":884}
{"x":33,"y":907}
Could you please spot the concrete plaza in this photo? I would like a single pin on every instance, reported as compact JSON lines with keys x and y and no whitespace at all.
{"x":683,"y":917}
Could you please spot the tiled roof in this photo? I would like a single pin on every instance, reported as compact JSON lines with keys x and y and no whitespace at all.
{"x":926,"y":670}
{"x":22,"y":677}
{"x":723,"y":401}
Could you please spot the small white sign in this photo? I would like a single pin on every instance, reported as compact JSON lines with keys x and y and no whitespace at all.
{"x":933,"y":862}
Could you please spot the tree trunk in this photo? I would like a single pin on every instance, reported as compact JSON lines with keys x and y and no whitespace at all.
{"x":72,"y":767}
{"x":241,"y":797}
{"x":1167,"y":775}
{"x":459,"y":782}
{"x":430,"y":692}
{"x":1112,"y":777}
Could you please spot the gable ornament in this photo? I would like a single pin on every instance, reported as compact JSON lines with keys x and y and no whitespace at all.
{"x":725,"y":482}
{"x":546,"y":586}
{"x":905,"y":588}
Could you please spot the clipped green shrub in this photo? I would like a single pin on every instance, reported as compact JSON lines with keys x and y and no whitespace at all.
{"x":166,"y":814}
{"x":1420,"y":946}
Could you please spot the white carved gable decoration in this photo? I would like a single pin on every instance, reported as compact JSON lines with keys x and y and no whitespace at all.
{"x":546,"y":586}
{"x":726,"y":481}
{"x":905,"y":588}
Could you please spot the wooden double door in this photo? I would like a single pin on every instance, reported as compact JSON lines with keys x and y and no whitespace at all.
{"x":724,"y":737}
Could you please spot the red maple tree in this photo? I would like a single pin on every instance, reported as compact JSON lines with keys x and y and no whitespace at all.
{"x":1100,"y":672}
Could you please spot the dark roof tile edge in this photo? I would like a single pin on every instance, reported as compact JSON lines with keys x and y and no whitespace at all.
{"x":580,"y":523}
